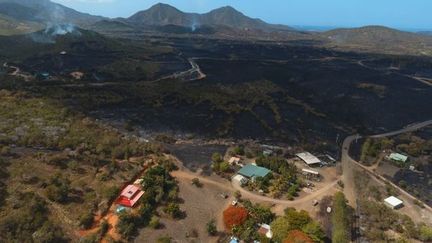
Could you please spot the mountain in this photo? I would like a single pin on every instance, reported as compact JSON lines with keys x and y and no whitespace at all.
{"x":41,"y":12}
{"x":380,"y":39}
{"x":164,"y":14}
{"x":425,"y":33}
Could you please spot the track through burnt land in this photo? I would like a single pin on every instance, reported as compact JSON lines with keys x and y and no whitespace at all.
{"x":282,"y":91}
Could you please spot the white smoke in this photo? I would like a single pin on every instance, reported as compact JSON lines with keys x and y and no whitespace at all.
{"x":56,"y":23}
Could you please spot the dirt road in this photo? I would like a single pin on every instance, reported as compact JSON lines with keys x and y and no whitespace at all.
{"x":234,"y":186}
{"x":348,"y":164}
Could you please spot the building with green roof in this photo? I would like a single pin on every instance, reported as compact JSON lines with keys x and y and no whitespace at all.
{"x":251,"y":171}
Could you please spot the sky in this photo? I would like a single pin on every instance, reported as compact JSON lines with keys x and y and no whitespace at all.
{"x":402,"y":14}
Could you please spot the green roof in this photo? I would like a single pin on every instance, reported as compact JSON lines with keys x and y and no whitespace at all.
{"x":398,"y":157}
{"x":253,"y":171}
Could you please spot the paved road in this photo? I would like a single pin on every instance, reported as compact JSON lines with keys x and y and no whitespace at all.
{"x":348,"y":164}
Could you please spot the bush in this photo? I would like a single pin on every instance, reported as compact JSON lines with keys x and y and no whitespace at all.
{"x":425,"y":233}
{"x":196,"y":182}
{"x":154,"y":222}
{"x":211,"y":227}
{"x":164,"y":239}
{"x":173,"y":210}
{"x":86,"y":220}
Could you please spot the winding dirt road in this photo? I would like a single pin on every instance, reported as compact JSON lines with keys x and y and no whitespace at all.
{"x":349,"y":164}
{"x":234,"y":186}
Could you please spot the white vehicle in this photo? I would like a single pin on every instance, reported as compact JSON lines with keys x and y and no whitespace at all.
{"x":234,"y":203}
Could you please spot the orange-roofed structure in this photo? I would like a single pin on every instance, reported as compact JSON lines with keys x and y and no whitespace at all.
{"x":130,"y":196}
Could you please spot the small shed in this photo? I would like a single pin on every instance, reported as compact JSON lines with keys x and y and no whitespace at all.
{"x":393,"y":202}
{"x":398,"y":157}
{"x":251,"y":171}
{"x":309,"y":158}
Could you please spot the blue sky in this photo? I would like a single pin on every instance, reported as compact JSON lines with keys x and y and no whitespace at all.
{"x":403,"y":14}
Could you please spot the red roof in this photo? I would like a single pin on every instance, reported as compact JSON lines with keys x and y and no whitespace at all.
{"x":130,"y":195}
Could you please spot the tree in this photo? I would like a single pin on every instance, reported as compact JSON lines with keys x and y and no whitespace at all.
{"x":297,"y":236}
{"x":211,"y":227}
{"x":280,"y":228}
{"x":173,"y":209}
{"x":234,"y":216}
{"x":237,"y":195}
{"x":196,"y":182}
{"x":239,"y":150}
{"x":425,"y":233}
{"x":341,"y":219}
{"x":296,"y":220}
{"x":154,"y":222}
{"x":217,"y":158}
{"x":86,"y":220}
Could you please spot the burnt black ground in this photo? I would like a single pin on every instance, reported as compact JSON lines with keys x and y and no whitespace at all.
{"x":292,"y":92}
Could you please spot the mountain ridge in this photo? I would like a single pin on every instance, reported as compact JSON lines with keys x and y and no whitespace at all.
{"x":163,"y":14}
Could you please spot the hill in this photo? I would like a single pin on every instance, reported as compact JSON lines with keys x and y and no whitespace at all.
{"x":164,"y":14}
{"x":380,"y":39}
{"x":10,"y":26}
{"x":19,"y":13}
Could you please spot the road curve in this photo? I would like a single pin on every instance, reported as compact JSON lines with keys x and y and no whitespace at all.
{"x":349,"y":163}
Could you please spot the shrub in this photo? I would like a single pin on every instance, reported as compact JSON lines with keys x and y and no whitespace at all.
{"x":173,"y":210}
{"x":154,"y":222}
{"x":211,"y":227}
{"x":86,"y":220}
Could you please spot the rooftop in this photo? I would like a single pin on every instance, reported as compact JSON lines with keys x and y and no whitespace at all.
{"x":130,"y":191}
{"x":251,"y":171}
{"x":393,"y":201}
{"x":308,"y":158}
{"x":398,"y":157}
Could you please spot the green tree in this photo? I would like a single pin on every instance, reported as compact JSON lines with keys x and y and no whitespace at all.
{"x":341,"y":219}
{"x":173,"y":209}
{"x":154,"y":222}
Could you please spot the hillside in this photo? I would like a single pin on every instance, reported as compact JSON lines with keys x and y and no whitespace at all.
{"x":10,"y":26}
{"x":163,"y":14}
{"x":380,"y":39}
{"x":43,"y":12}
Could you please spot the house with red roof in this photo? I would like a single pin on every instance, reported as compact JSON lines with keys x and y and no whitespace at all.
{"x":130,"y":196}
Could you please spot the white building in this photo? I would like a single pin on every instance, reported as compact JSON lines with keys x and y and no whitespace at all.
{"x":309,"y":158}
{"x":393,"y":202}
{"x":240,"y":179}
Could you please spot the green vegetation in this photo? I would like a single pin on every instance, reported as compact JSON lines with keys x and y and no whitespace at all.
{"x":160,"y":187}
{"x":341,"y":219}
{"x":286,"y":183}
{"x":372,"y":148}
{"x":296,"y":220}
{"x":211,"y":227}
{"x":29,"y":220}
{"x":65,"y":159}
